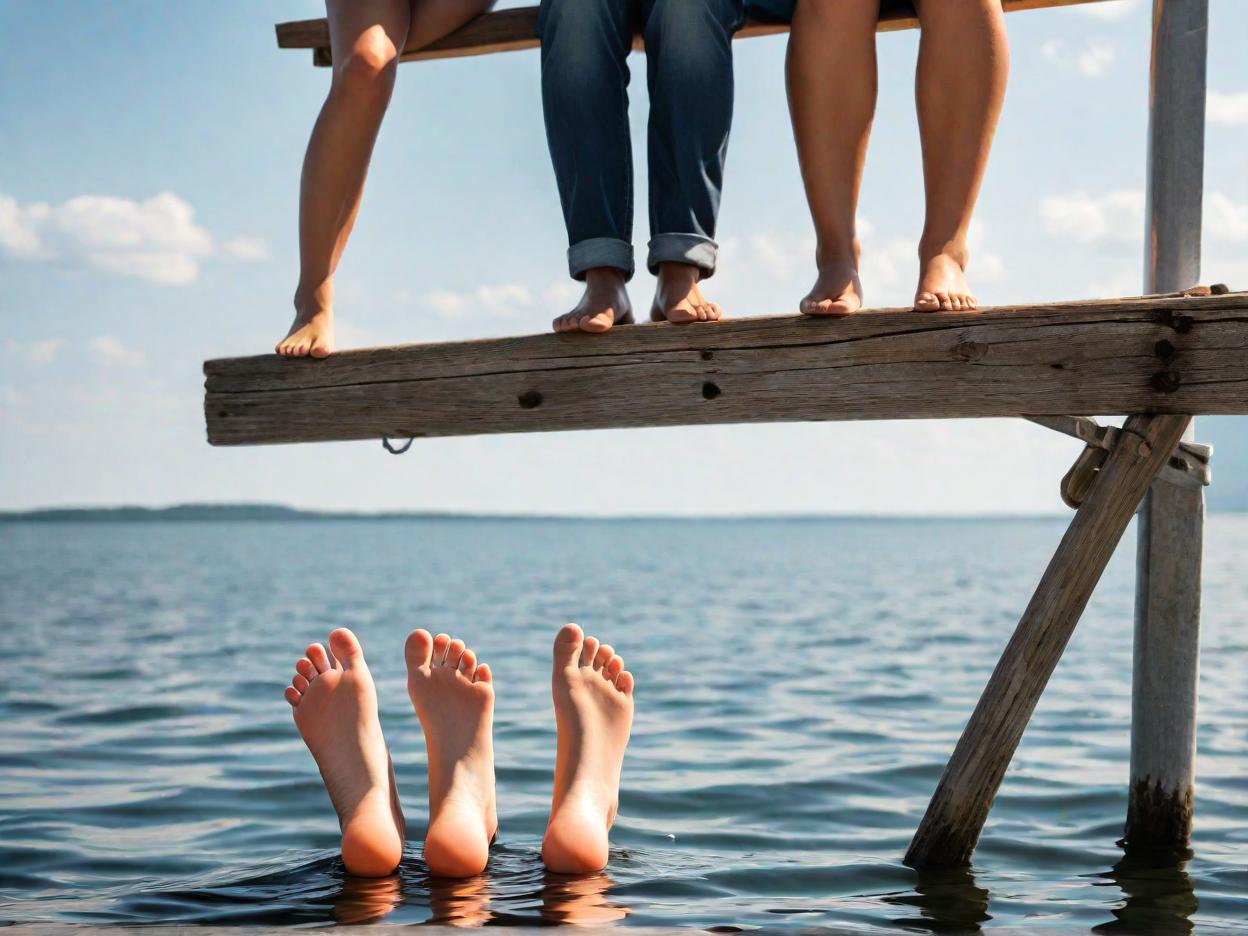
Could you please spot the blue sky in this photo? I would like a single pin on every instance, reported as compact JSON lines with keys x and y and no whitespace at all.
{"x":148,"y":184}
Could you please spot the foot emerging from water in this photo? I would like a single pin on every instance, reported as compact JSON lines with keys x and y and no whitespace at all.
{"x":335,"y":707}
{"x":605,"y":304}
{"x":593,"y":698}
{"x":454,"y":699}
{"x":837,"y":291}
{"x":677,"y":298}
{"x":942,"y":283}
{"x":312,"y":332}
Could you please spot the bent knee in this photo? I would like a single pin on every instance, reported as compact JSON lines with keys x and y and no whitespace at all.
{"x":369,"y":65}
{"x":694,"y":20}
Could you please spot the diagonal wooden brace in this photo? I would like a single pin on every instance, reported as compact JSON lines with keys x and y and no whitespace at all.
{"x":959,"y":807}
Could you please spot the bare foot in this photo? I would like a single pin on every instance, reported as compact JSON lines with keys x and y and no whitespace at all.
{"x":678,"y":300}
{"x":454,"y":699}
{"x":837,"y":291}
{"x":312,"y":332}
{"x":604,"y":304}
{"x":593,"y":711}
{"x":942,"y":283}
{"x":335,"y":707}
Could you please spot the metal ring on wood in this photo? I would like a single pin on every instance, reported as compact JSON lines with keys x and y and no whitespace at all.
{"x":385,"y":443}
{"x":1078,"y":481}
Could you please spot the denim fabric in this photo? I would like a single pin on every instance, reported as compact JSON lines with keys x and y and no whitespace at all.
{"x":585,"y":46}
{"x":775,"y":10}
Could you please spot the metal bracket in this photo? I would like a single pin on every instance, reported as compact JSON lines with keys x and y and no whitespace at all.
{"x":1188,"y":465}
{"x":389,"y":447}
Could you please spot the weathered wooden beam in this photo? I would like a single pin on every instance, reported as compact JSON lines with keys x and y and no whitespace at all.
{"x":514,"y":30}
{"x":1161,"y":355}
{"x":1170,"y":548}
{"x":959,"y":807}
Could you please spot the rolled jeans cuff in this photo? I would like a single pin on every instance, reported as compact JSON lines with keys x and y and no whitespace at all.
{"x":693,"y":249}
{"x":601,"y":252}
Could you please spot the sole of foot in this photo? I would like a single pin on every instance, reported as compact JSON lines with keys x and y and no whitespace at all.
{"x":334,"y":702}
{"x":604,"y":305}
{"x":943,"y":287}
{"x":679,"y":300}
{"x":593,"y":696}
{"x":453,"y":696}
{"x":837,"y":292}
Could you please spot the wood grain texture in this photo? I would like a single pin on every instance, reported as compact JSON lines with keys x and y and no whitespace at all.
{"x":959,"y":807}
{"x":1147,"y":355}
{"x":513,"y":30}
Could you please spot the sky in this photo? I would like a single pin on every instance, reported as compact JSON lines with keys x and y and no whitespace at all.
{"x":149,"y":172}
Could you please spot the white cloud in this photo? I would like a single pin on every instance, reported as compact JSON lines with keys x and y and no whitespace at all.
{"x":1225,"y":219}
{"x":37,"y":352}
{"x":1092,"y":59}
{"x":510,"y":300}
{"x":155,"y":239}
{"x":1113,"y":218}
{"x":110,"y":352}
{"x":1227,"y":109}
{"x":1117,"y":10}
{"x":245,"y":249}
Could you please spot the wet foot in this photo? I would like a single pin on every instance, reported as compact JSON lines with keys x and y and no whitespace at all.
{"x":604,"y":305}
{"x":335,"y":707}
{"x":837,"y":291}
{"x":312,"y":332}
{"x":454,"y":699}
{"x":678,"y":300}
{"x":942,"y":283}
{"x":593,"y":698}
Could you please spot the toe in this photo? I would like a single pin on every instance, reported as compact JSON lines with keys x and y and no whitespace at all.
{"x":568,"y":645}
{"x":614,"y":667}
{"x":597,"y":324}
{"x":346,"y":648}
{"x":926,"y":302}
{"x":320,"y":348}
{"x":624,"y":682}
{"x":305,"y":669}
{"x":468,"y":663}
{"x":300,"y":683}
{"x":589,"y":651}
{"x":605,"y":653}
{"x":483,"y":674}
{"x":454,"y":651}
{"x":319,"y":658}
{"x":440,"y":643}
{"x":714,"y":311}
{"x":417,"y":649}
{"x":946,"y":302}
{"x":292,"y":696}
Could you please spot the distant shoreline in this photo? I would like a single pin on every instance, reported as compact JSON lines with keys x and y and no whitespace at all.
{"x":275,"y":513}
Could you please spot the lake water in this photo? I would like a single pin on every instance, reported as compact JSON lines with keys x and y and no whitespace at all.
{"x":800,"y":685}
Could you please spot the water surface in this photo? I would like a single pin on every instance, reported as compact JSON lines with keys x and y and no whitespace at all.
{"x":800,"y":685}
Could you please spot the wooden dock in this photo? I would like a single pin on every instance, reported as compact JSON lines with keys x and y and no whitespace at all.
{"x":1173,"y":354}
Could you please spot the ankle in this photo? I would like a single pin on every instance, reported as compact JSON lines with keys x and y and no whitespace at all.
{"x":314,"y":299}
{"x":604,"y":278}
{"x":837,"y":253}
{"x":953,"y":248}
{"x":678,"y":275}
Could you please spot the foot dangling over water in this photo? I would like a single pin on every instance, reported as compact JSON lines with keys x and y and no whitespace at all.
{"x":454,"y":699}
{"x":942,"y":282}
{"x":335,"y":708}
{"x":593,"y":697}
{"x":312,"y":332}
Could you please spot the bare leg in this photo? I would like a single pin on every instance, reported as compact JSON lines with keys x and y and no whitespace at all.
{"x":964,"y":63}
{"x":366,"y":37}
{"x":832,"y":84}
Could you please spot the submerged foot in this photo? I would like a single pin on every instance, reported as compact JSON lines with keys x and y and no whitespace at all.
{"x":942,"y":283}
{"x":677,"y":298}
{"x":312,"y":332}
{"x":837,"y":291}
{"x":335,"y":707}
{"x":605,"y":304}
{"x":454,"y":699}
{"x":593,"y":698}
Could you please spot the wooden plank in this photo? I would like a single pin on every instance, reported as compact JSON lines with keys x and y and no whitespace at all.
{"x":959,"y":807}
{"x":1163,"y":355}
{"x":514,"y":30}
{"x":1170,"y":550}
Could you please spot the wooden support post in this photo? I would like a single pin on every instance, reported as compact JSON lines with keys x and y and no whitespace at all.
{"x":1171,"y":530}
{"x":959,"y":807}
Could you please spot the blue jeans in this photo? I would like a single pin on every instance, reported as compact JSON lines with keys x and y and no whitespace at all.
{"x":585,"y":46}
